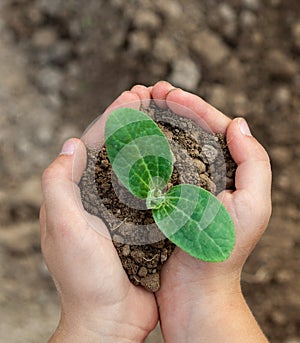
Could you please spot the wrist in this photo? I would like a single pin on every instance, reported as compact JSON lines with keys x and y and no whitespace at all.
{"x":108,"y":331}
{"x":190,"y":280}
{"x":199,"y":298}
{"x":190,"y":296}
{"x":76,"y":334}
{"x":210,"y":315}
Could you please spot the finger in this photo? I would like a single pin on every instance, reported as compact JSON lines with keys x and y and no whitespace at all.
{"x":144,"y":94}
{"x":253,"y":172}
{"x":70,"y":163}
{"x":94,"y":134}
{"x":193,"y":107}
{"x":190,"y":106}
{"x":159,"y":93}
{"x":59,"y":180}
{"x":252,"y":198}
{"x":62,"y":196}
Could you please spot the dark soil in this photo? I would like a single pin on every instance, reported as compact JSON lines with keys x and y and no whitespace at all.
{"x":201,"y":158}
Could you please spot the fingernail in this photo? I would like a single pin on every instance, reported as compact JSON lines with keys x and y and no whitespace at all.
{"x":68,"y":148}
{"x":171,"y":90}
{"x":244,"y":127}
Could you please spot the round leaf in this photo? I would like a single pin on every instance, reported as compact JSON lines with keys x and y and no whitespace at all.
{"x":138,"y":151}
{"x":197,"y":222}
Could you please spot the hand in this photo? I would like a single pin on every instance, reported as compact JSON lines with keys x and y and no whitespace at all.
{"x":98,"y":302}
{"x":196,"y":297}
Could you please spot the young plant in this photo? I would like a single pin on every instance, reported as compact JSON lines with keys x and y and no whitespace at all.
{"x":191,"y":217}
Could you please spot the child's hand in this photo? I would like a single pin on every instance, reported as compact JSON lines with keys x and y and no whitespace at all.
{"x":198,"y":301}
{"x":200,"y":295}
{"x":99,"y":304}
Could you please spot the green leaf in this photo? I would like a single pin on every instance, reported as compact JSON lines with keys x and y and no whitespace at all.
{"x":189,"y":216}
{"x":197,"y":222}
{"x":138,"y":151}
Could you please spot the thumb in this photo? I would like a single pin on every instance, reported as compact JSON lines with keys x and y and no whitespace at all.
{"x":60,"y":179}
{"x":61,"y":194}
{"x":250,"y":203}
{"x":253,"y":165}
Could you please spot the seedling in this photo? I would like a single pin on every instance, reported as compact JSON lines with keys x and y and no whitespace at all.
{"x":189,"y":216}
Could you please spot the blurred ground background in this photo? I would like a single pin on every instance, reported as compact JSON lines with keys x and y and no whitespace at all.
{"x":63,"y":62}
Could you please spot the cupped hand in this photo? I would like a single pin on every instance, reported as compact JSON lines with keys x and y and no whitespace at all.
{"x":188,"y":284}
{"x":99,"y":304}
{"x":98,"y":301}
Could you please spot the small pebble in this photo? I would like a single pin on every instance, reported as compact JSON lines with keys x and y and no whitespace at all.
{"x":293,"y":340}
{"x":138,"y":256}
{"x":142,"y":272}
{"x":118,"y":238}
{"x":106,"y":186}
{"x":284,"y":276}
{"x":44,"y":38}
{"x":185,"y":74}
{"x":280,"y":65}
{"x":251,"y":4}
{"x":296,"y":35}
{"x":279,"y":317}
{"x":139,"y":41}
{"x":206,"y":183}
{"x":248,"y":19}
{"x":205,"y":44}
{"x":126,"y":250}
{"x":61,"y":52}
{"x":164,"y":49}
{"x":209,"y":153}
{"x":199,"y":165}
{"x":282,"y":96}
{"x":50,"y":79}
{"x":164,"y":256}
{"x":151,"y":282}
{"x":147,"y":20}
{"x":281,"y":154}
{"x":218,"y":96}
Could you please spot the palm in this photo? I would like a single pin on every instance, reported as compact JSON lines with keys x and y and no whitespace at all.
{"x":139,"y":304}
{"x":249,"y":205}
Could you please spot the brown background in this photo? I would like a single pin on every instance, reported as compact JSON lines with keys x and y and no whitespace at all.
{"x":62,"y":62}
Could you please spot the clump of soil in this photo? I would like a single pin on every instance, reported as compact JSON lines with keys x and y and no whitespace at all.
{"x":201,"y":158}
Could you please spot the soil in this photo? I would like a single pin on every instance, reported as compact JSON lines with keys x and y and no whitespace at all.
{"x":62,"y":63}
{"x":201,"y":158}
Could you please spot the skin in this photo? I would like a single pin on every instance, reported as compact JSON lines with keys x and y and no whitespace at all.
{"x":198,"y":301}
{"x":212,"y":307}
